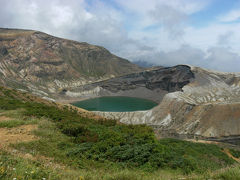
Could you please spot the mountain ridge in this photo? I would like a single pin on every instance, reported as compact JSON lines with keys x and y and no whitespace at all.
{"x":44,"y":60}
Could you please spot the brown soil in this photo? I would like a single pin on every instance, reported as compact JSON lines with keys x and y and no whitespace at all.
{"x":226,"y":151}
{"x":203,"y":141}
{"x":4,"y":118}
{"x":16,"y":135}
{"x":70,"y":100}
{"x":23,"y":134}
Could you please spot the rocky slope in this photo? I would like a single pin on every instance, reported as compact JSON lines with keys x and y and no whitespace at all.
{"x":41,"y":63}
{"x":192,"y":101}
{"x":209,"y":106}
{"x":151,"y":84}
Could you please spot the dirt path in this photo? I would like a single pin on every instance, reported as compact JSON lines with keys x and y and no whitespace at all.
{"x":16,"y":135}
{"x":202,"y":141}
{"x":23,"y":134}
{"x":4,"y":118}
{"x":226,"y":151}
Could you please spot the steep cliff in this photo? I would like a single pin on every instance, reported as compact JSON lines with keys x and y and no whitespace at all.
{"x":150,"y":84}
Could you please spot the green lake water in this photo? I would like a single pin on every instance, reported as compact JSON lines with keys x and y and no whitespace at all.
{"x":116,"y":104}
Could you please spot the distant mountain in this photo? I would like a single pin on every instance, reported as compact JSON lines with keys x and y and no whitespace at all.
{"x":35,"y":60}
{"x":144,"y":64}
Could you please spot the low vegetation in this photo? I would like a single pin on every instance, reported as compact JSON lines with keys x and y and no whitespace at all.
{"x":12,"y":167}
{"x":102,"y":149}
{"x":235,"y":153}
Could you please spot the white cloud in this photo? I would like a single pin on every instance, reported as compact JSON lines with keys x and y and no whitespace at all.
{"x":171,"y":19}
{"x":223,"y":59}
{"x":157,"y":31}
{"x":209,"y":36}
{"x":167,"y":12}
{"x":216,"y":58}
{"x":226,"y":38}
{"x":183,"y":55}
{"x":143,"y":6}
{"x":233,"y":15}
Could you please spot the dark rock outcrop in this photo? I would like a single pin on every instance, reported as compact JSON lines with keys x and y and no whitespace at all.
{"x":167,"y":79}
{"x":149,"y":84}
{"x":3,"y":51}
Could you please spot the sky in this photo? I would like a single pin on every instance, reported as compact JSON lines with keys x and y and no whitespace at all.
{"x":203,"y":33}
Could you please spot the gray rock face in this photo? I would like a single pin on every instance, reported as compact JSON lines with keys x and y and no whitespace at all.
{"x":151,"y":84}
{"x":166,"y":79}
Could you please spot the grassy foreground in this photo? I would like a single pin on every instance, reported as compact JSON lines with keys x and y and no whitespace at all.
{"x":72,"y":146}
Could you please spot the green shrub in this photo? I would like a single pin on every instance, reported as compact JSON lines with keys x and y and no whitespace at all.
{"x":235,"y":153}
{"x":72,"y":129}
